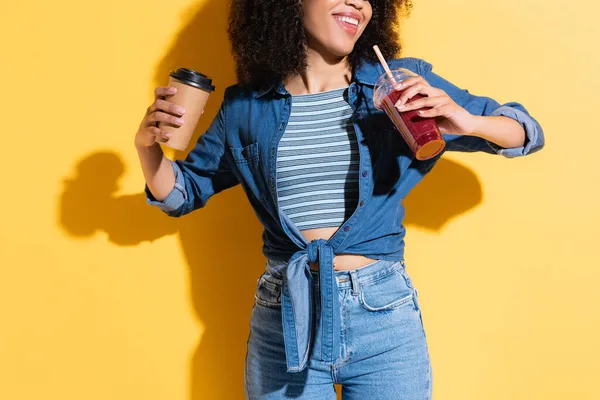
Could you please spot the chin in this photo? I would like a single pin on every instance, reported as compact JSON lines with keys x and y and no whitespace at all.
{"x":341,"y":49}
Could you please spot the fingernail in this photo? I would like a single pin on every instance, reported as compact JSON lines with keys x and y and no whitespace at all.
{"x":180,"y":110}
{"x":400,"y":107}
{"x":179,"y":120}
{"x":172,"y":90}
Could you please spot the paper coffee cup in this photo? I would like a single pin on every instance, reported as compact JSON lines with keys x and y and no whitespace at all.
{"x":193,"y":91}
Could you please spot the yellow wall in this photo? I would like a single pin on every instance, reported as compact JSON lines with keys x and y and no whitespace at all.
{"x":103,"y":297}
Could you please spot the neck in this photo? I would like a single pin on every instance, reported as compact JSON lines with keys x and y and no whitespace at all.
{"x":321,"y":74}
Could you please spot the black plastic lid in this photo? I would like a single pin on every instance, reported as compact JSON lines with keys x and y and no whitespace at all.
{"x":193,"y":78}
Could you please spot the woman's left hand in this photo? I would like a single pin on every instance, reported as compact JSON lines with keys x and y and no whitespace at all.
{"x":451,"y":117}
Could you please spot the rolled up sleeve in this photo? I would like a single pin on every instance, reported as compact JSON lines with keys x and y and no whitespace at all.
{"x":534,"y":135}
{"x":175,"y":199}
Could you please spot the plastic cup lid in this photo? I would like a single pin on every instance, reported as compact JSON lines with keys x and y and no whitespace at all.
{"x":193,"y":78}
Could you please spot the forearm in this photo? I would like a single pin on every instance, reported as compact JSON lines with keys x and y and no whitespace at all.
{"x":501,"y":130}
{"x":157,"y":170}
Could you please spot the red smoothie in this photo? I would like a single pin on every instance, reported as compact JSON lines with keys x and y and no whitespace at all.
{"x":421,"y":134}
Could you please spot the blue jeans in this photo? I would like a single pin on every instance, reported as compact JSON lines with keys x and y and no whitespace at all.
{"x":383,"y":353}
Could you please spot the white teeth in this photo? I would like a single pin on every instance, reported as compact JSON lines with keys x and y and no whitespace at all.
{"x":349,"y":20}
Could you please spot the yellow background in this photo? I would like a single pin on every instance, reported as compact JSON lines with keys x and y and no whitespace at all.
{"x":103,"y":297}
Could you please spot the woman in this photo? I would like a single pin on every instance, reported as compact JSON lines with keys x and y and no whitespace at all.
{"x":326,"y":174}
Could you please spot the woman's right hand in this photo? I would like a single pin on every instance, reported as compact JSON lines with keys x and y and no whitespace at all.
{"x":160,"y":110}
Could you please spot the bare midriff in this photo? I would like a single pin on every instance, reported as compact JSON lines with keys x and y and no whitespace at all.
{"x":340,"y":261}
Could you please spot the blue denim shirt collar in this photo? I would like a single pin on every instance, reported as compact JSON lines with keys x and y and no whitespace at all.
{"x":366,"y":73}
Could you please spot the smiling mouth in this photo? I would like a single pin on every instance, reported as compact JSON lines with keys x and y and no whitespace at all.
{"x":347,"y":20}
{"x":349,"y":24}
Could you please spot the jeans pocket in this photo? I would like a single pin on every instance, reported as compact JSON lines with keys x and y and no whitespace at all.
{"x":415,"y":299}
{"x":268,"y":292}
{"x":389,"y":292}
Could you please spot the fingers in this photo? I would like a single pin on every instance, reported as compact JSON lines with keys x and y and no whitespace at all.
{"x":414,"y":85}
{"x":162,"y":91}
{"x":410,"y":81}
{"x":419,"y":88}
{"x":422,"y":103}
{"x":159,"y":116}
{"x":166,"y":106}
{"x":161,"y":109}
{"x":160,"y":134}
{"x":440,"y":111}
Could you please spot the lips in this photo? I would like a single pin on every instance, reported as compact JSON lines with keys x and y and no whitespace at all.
{"x":348,"y":21}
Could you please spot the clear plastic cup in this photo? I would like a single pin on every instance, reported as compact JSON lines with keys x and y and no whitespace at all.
{"x":421,"y":134}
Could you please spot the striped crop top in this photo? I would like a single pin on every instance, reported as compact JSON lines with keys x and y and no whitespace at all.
{"x":317,"y":161}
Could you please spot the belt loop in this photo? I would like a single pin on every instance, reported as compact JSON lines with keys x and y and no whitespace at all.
{"x":354,"y":282}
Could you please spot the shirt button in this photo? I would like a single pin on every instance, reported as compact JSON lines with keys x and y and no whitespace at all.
{"x":346,"y":228}
{"x":365,"y":173}
{"x":362,"y":203}
{"x":353,"y":89}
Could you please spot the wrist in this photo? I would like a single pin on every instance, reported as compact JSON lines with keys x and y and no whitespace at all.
{"x":475,"y":124}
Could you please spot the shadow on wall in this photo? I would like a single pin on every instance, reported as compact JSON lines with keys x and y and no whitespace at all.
{"x":224,"y":236}
{"x":221,"y":242}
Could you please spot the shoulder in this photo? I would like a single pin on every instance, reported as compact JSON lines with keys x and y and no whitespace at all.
{"x":237,"y":93}
{"x":236,"y":97}
{"x":369,"y":71}
{"x":417,"y":65}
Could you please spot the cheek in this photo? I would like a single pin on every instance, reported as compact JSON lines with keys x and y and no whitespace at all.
{"x":313,"y":15}
{"x":368,"y":13}
{"x":312,"y":9}
{"x":365,"y":26}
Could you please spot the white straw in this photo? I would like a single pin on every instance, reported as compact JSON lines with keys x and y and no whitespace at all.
{"x":385,"y":65}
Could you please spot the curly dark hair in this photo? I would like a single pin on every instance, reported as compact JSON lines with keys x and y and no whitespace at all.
{"x":269,"y":42}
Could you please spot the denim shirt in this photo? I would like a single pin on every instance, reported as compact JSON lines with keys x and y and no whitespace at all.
{"x":240,"y":146}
